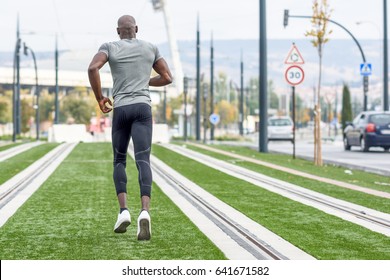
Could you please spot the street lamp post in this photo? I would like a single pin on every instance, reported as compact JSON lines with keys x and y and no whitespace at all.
{"x":385,"y":60}
{"x":263,"y":137}
{"x":197,"y":81}
{"x":16,"y":89}
{"x":185,"y":91}
{"x":165,"y":105}
{"x":241,"y":113}
{"x":36,"y":88}
{"x":16,"y":86}
{"x":56,"y":101}
{"x":365,"y":78}
{"x":205,"y":95}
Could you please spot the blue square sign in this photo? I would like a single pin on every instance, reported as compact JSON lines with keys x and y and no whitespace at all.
{"x":365,"y":69}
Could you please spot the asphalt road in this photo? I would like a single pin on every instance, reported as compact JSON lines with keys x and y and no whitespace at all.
{"x":376,"y":160}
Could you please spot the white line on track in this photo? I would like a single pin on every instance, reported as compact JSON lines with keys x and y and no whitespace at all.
{"x":19,"y":188}
{"x":6,"y":154}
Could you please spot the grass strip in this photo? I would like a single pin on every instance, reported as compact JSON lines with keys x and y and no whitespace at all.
{"x":73,"y":214}
{"x":9,"y":146}
{"x":321,"y":235}
{"x":17,"y":163}
{"x":358,"y":177}
{"x":357,"y":197}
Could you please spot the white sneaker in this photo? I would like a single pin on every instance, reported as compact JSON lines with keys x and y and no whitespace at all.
{"x":123,"y":222}
{"x":144,"y":226}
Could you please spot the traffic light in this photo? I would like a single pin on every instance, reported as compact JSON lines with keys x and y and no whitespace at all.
{"x":285,"y":19}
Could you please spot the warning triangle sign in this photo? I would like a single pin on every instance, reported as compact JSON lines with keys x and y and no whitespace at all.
{"x":294,"y":56}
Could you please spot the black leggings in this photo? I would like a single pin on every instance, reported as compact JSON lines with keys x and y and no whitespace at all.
{"x":132,"y":121}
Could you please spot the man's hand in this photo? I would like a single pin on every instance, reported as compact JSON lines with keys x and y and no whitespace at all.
{"x":103,"y":105}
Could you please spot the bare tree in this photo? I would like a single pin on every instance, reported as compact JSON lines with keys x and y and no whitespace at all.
{"x":319,"y":33}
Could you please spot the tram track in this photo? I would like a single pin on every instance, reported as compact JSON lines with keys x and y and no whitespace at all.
{"x":306,"y":175}
{"x":8,"y":153}
{"x":19,"y":188}
{"x":366,"y":217}
{"x":235,"y":234}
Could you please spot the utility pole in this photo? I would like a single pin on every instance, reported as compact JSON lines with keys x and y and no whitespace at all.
{"x":36,"y":90}
{"x":185,"y":91}
{"x":205,"y":94}
{"x":17,"y":104}
{"x":197,"y":82}
{"x":57,"y":111}
{"x":16,"y":84}
{"x":211,"y":86}
{"x":263,"y":142}
{"x":165,"y":105}
{"x":241,"y":114}
{"x":385,"y":60}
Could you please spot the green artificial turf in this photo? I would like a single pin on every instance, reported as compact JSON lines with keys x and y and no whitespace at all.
{"x":73,"y":213}
{"x":16,"y":164}
{"x":9,"y":146}
{"x":321,"y":235}
{"x":357,"y":197}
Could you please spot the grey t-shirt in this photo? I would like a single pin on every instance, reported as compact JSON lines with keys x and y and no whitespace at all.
{"x":131,"y":62}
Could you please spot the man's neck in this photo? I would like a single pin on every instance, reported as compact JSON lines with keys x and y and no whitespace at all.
{"x":128,"y":37}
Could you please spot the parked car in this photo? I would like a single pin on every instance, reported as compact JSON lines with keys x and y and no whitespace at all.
{"x":368,"y":129}
{"x":280,"y":129}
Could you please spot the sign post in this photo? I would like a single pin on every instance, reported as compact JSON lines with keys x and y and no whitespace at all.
{"x":294,"y":75}
{"x":365,"y":71}
{"x":214,"y":118}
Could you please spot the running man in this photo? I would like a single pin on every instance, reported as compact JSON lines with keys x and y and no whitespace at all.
{"x":131,"y":62}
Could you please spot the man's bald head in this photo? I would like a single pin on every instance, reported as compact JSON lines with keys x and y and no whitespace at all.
{"x":127,"y":27}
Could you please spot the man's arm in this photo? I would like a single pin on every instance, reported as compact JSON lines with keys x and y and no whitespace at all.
{"x":164,"y":76}
{"x":98,"y":62}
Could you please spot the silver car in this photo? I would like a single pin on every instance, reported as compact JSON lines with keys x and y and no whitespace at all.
{"x":280,"y":129}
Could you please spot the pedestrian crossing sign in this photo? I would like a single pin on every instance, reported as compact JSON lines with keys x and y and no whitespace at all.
{"x":365,"y":69}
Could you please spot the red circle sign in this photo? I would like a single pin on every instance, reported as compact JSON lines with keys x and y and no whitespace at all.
{"x":294,"y":75}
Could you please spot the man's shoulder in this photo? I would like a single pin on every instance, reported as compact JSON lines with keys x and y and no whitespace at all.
{"x":147,"y":43}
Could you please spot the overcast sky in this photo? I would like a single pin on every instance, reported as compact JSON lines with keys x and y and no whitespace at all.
{"x":86,"y":24}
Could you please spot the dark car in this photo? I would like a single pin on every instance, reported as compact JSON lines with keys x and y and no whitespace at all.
{"x":368,"y":129}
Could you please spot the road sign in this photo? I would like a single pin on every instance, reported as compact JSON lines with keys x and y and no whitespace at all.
{"x":294,"y":56}
{"x":294,"y":75}
{"x":214,"y":119}
{"x":365,"y":69}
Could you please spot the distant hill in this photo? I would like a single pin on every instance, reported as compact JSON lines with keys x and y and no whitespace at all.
{"x":341,"y":59}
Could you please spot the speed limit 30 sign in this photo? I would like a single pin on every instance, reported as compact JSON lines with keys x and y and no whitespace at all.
{"x":294,"y":75}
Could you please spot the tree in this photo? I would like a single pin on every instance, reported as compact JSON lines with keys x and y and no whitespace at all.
{"x":221,"y":87}
{"x":273,"y":97}
{"x":227,"y":112}
{"x":28,"y":114}
{"x":253,"y":98}
{"x":346,"y":111}
{"x":46,"y":105}
{"x":320,"y":33}
{"x":173,"y":103}
{"x":77,"y":108}
{"x":5,"y":107}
